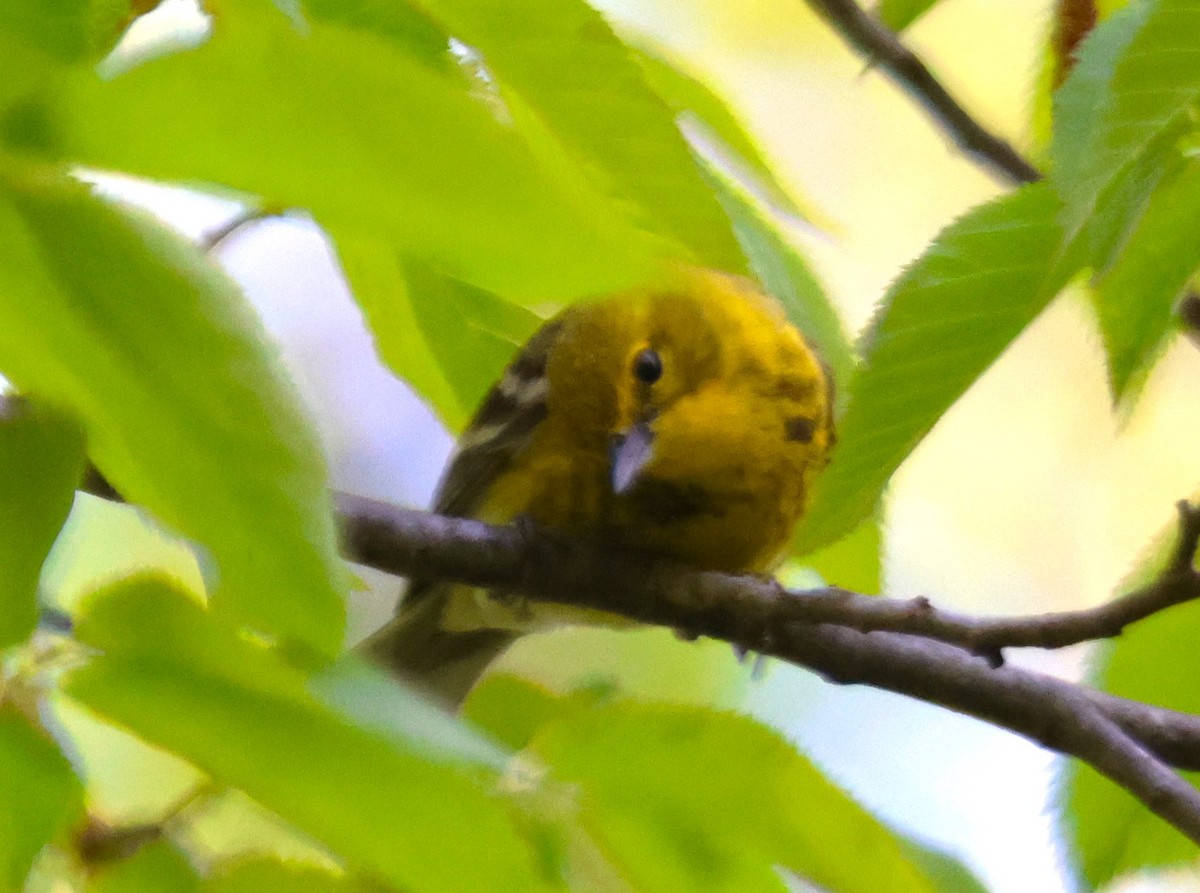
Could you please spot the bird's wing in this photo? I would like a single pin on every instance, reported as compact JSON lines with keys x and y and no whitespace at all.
{"x":502,"y":428}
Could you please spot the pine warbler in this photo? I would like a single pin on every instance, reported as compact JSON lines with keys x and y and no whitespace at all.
{"x":689,"y":422}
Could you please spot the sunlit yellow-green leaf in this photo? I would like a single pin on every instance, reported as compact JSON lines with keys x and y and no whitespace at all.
{"x":569,"y":69}
{"x":376,"y":797}
{"x":41,"y":461}
{"x":682,"y":798}
{"x":39,"y":796}
{"x":446,"y":338}
{"x":185,"y":409}
{"x":350,"y":125}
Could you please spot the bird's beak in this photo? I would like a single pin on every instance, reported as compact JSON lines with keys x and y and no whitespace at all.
{"x":628,"y":454}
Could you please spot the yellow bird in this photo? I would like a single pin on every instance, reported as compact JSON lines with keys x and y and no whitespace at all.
{"x":688,"y":421}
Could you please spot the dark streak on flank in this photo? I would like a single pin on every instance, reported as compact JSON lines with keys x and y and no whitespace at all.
{"x":666,"y":502}
{"x":799,"y":428}
{"x":795,"y":387}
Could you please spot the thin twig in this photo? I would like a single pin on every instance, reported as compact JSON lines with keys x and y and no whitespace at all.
{"x":883,"y":48}
{"x":987,"y":636}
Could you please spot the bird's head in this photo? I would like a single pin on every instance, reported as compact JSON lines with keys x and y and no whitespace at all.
{"x":701,"y":393}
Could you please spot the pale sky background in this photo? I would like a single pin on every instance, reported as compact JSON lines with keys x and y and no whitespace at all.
{"x":1026,"y":498}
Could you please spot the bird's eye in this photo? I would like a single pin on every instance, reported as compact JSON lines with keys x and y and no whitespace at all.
{"x":647,"y":366}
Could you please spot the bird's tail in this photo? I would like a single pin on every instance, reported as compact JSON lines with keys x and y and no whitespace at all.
{"x":415,"y":646}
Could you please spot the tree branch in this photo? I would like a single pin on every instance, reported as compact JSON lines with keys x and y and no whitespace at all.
{"x":838,"y":634}
{"x":1122,"y":739}
{"x":883,"y":48}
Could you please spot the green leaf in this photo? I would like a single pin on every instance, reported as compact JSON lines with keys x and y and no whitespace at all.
{"x":185,"y":409}
{"x":260,"y":875}
{"x":69,"y":30}
{"x":351,"y":126}
{"x":39,"y":796}
{"x":1077,"y":109}
{"x":186,"y":684}
{"x":942,"y":323}
{"x":947,"y":873}
{"x":1120,"y":208}
{"x":854,"y":562}
{"x":154,"y":868}
{"x":566,"y":65}
{"x":683,"y":798}
{"x":1153,"y":661}
{"x":1138,"y":73}
{"x":899,"y":14}
{"x":402,"y":23}
{"x":447,"y":339}
{"x":689,"y":96}
{"x":41,"y":462}
{"x":514,"y":709}
{"x":1136,"y":299}
{"x":370,"y":699}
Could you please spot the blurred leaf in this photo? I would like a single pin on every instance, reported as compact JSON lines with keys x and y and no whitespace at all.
{"x":349,"y":125}
{"x":262,"y":875}
{"x":69,"y":30}
{"x":180,"y":681}
{"x":899,"y":14}
{"x":687,"y":95}
{"x":370,"y":699}
{"x":1136,"y":299}
{"x":941,"y":324}
{"x":155,"y":868}
{"x":401,"y":22}
{"x":1137,"y":73}
{"x":185,"y":409}
{"x":447,"y":339}
{"x":947,"y":873}
{"x":563,"y":60}
{"x":1113,"y":833}
{"x":39,"y":796}
{"x":41,"y":462}
{"x":683,"y":798}
{"x":785,"y":273}
{"x":514,"y":709}
{"x":854,"y":562}
{"x":28,"y":73}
